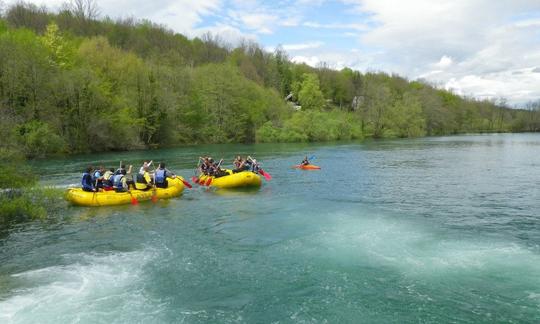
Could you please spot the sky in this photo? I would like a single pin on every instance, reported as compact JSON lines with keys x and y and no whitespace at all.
{"x":487,"y":49}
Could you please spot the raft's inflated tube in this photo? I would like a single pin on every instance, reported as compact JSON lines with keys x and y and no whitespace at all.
{"x":110,"y":198}
{"x":233,"y":180}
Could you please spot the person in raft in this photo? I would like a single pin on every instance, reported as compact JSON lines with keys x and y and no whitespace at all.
{"x":305,"y":161}
{"x":87,"y":182}
{"x":240,"y":165}
{"x":252,"y":164}
{"x":120,"y":181}
{"x":145,"y":177}
{"x":122,"y":168}
{"x":108,"y":178}
{"x":97,"y":177}
{"x":142,"y":171}
{"x":161,"y":175}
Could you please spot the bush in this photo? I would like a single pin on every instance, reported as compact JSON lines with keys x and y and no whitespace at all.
{"x":38,"y":140}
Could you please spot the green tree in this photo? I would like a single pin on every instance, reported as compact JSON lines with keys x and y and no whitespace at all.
{"x":310,"y":95}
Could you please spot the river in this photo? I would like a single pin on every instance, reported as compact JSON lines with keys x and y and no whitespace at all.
{"x":441,"y":229}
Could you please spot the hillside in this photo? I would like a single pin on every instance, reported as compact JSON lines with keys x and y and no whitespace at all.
{"x":70,"y":83}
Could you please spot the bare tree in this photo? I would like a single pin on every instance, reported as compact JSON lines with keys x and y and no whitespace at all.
{"x":83,"y":9}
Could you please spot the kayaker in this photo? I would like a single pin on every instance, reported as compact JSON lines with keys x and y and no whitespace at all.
{"x":305,"y":161}
{"x":161,"y":174}
{"x":87,"y":183}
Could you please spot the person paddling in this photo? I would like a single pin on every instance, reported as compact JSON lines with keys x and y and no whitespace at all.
{"x":305,"y":161}
{"x":108,"y":179}
{"x":120,"y":181}
{"x":121,"y":169}
{"x":97,"y":177}
{"x":145,"y":177}
{"x":161,"y":174}
{"x":87,"y":182}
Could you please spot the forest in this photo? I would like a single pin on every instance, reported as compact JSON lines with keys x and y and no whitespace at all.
{"x":72,"y":83}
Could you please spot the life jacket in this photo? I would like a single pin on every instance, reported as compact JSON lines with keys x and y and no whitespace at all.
{"x":96,"y":175}
{"x":107,"y":175}
{"x":117,"y":181}
{"x":160,"y":176}
{"x":87,"y":181}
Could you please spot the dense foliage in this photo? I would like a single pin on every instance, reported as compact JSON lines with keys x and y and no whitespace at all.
{"x":71,"y":83}
{"x":20,"y":199}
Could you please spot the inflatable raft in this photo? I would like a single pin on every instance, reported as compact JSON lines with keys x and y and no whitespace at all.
{"x":79,"y":197}
{"x":307,"y":167}
{"x":232,"y":180}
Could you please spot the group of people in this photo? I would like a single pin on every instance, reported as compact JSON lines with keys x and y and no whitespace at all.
{"x":122,"y":179}
{"x":208,"y":166}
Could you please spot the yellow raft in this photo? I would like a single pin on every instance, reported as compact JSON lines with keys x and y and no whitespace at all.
{"x":79,"y":197}
{"x":233,"y":180}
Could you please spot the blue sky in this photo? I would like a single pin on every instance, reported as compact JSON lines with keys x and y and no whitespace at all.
{"x":479,"y":48}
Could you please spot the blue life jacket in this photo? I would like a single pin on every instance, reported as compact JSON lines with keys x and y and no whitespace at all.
{"x":86,"y":181}
{"x":96,"y":176}
{"x":160,"y":176}
{"x":117,"y":181}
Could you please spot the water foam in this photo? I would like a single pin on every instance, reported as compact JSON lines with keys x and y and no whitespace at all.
{"x":90,"y":288}
{"x":415,"y":249}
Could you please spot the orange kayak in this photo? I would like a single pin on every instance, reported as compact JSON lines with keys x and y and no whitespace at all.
{"x":307,"y":167}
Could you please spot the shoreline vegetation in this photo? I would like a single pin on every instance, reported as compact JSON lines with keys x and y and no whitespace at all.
{"x":72,"y":83}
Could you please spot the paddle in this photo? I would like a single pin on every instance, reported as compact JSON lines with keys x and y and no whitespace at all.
{"x":195,"y":179}
{"x":187,"y":184}
{"x":210,"y":179}
{"x":265,"y":174}
{"x":154,"y":194}
{"x":134,"y":200}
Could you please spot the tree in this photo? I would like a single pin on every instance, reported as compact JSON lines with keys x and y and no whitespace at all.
{"x":83,"y":9}
{"x":60,"y":51}
{"x":310,"y":95}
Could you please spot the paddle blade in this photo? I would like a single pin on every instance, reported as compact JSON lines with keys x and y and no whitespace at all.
{"x":195,"y":179}
{"x":134,"y":201}
{"x":187,"y":184}
{"x":154,"y":198}
{"x":265,"y":174}
{"x":208,"y":182}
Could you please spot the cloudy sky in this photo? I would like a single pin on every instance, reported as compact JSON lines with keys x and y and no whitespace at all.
{"x":480,"y":48}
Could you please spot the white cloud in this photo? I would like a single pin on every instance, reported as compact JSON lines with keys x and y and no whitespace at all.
{"x":311,"y":61}
{"x":444,"y":62}
{"x":476,"y":43}
{"x":358,"y":27}
{"x":302,"y":46}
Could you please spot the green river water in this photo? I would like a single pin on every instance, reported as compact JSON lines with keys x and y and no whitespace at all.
{"x":434,"y":230}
